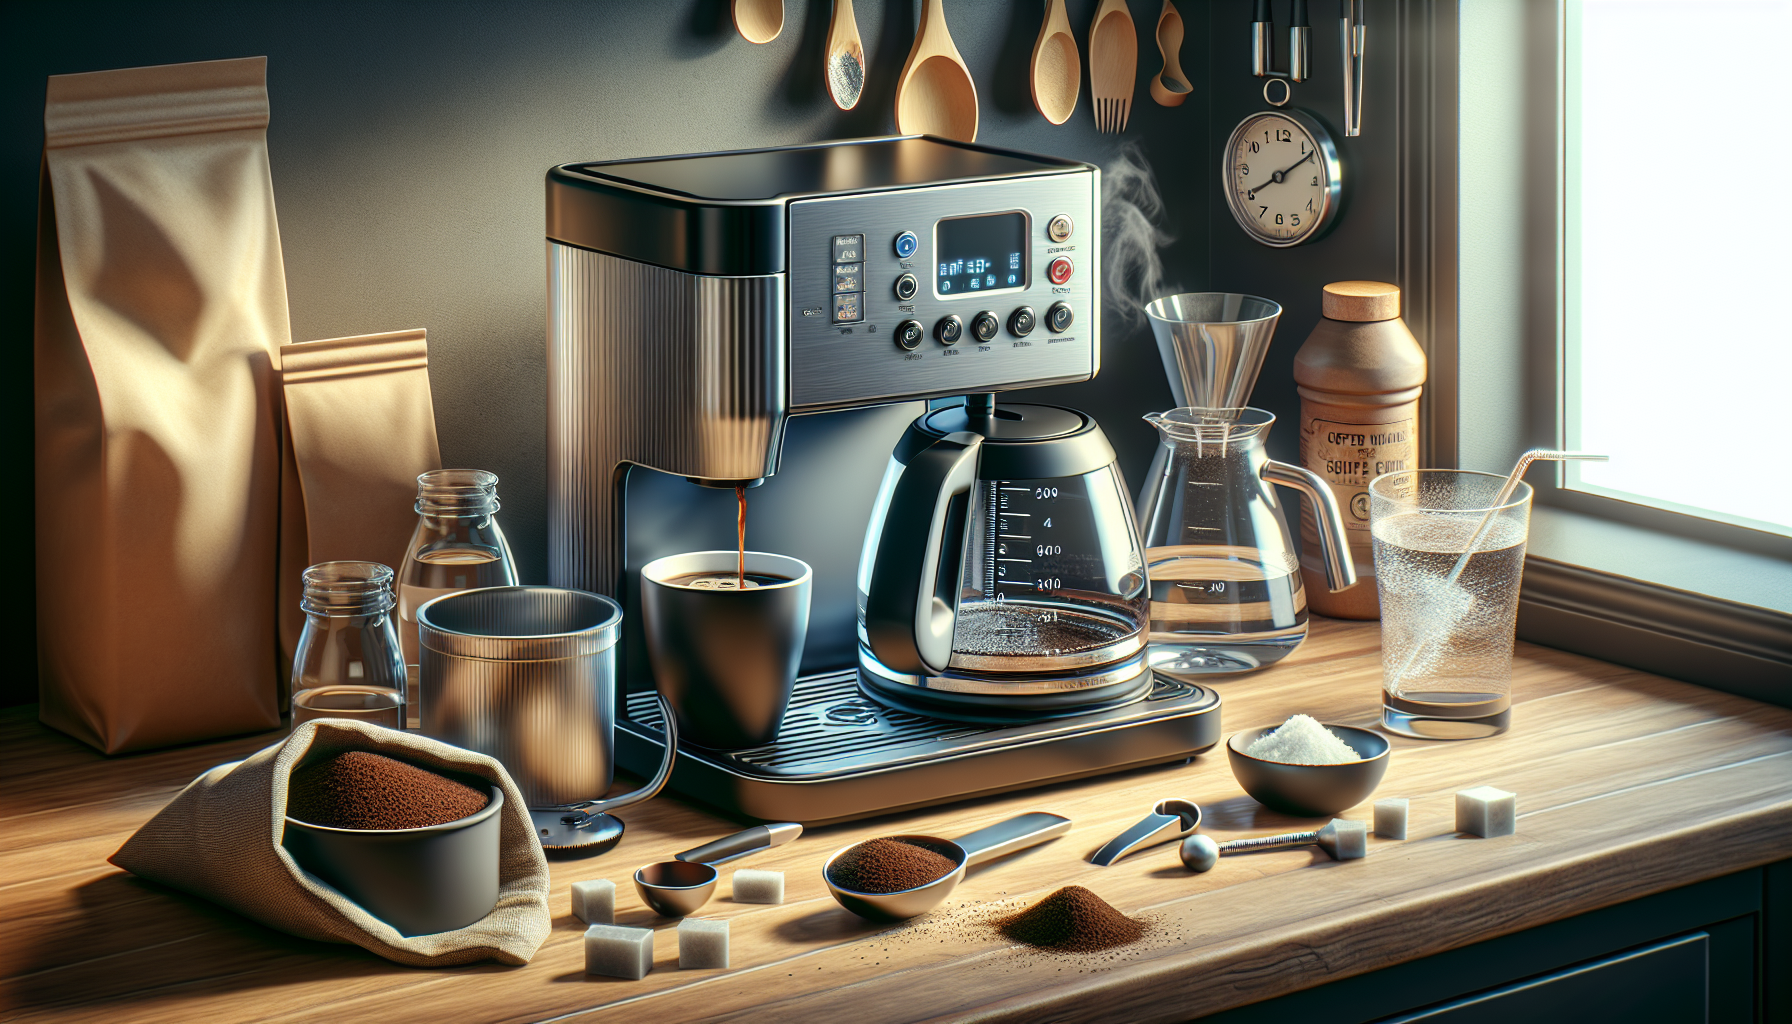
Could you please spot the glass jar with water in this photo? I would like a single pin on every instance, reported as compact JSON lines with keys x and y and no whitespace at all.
{"x":457,"y":545}
{"x":1226,"y":592}
{"x":347,"y":664}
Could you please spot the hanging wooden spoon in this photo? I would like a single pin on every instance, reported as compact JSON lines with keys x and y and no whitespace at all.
{"x":846,"y":57}
{"x":935,"y":94}
{"x":1170,"y":87}
{"x":1113,"y":64}
{"x":1057,"y":74}
{"x":759,"y":21}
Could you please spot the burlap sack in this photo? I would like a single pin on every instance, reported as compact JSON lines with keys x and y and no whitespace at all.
{"x":360,"y":428}
{"x":219,"y":839}
{"x":161,"y":304}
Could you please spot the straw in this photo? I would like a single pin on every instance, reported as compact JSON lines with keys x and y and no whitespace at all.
{"x":1454,"y":602}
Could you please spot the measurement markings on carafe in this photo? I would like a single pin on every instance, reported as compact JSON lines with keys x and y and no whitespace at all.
{"x":1020,"y":540}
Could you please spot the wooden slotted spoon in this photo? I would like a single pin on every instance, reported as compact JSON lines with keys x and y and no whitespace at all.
{"x":758,"y":21}
{"x":1057,"y":72}
{"x":935,"y":95}
{"x":1170,"y":87}
{"x":1113,"y":64}
{"x":846,"y":57}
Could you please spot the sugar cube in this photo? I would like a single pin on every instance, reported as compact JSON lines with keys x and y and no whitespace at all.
{"x":594,"y":902}
{"x":702,"y":943}
{"x":1487,"y":812}
{"x":751,"y":886}
{"x":1351,"y":837}
{"x":1390,"y":817}
{"x":617,"y":952}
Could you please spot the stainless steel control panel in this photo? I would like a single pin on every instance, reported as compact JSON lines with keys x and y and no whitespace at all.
{"x":885,"y":304}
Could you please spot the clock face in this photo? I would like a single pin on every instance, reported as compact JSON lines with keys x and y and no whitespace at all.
{"x":1282,"y":177}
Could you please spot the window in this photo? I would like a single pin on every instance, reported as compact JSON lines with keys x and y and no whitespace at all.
{"x":1677,"y":255}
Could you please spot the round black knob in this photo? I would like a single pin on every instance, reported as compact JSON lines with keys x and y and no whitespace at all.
{"x":1059,"y":318}
{"x":985,"y":325}
{"x":906,"y":286}
{"x":949,"y":329}
{"x":1022,"y":321}
{"x":909,"y":333}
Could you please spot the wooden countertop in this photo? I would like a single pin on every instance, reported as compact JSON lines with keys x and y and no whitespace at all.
{"x":1628,"y":784}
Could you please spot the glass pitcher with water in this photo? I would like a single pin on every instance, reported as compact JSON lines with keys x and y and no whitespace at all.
{"x":1226,"y":591}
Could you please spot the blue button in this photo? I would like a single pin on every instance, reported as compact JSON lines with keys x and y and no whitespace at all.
{"x":906,"y":244}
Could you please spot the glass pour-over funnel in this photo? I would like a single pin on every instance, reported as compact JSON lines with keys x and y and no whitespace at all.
{"x":1226,"y":592}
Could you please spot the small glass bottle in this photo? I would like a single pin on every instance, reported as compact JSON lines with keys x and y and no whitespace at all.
{"x":348,"y":664}
{"x":457,"y":545}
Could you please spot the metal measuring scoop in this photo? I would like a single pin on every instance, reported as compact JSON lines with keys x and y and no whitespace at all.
{"x":1004,"y":837}
{"x":1169,"y":819}
{"x":674,"y":888}
{"x":1340,"y":838}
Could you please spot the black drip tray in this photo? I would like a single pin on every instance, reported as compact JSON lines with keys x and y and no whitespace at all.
{"x":841,"y":755}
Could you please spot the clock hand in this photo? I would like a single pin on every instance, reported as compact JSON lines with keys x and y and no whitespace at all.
{"x":1280,"y":176}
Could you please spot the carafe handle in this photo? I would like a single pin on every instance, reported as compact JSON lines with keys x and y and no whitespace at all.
{"x":1334,"y":545}
{"x":911,"y":605}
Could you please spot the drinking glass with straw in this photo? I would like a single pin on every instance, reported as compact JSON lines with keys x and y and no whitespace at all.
{"x":1449,"y":557}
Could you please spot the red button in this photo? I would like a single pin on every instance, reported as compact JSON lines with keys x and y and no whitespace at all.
{"x":1060,"y":269}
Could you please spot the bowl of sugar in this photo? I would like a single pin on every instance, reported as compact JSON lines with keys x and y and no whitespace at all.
{"x":1306,"y":768}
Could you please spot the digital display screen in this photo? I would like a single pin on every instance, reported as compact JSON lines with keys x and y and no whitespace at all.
{"x":980,"y":254}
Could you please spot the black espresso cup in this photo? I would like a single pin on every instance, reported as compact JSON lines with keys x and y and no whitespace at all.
{"x":725,"y":657}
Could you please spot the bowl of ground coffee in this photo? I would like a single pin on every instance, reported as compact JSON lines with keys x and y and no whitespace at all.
{"x":893,"y":878}
{"x":415,"y":848}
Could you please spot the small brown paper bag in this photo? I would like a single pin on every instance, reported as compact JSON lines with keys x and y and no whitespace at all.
{"x":161,"y":304}
{"x":219,"y":839}
{"x":360,"y":429}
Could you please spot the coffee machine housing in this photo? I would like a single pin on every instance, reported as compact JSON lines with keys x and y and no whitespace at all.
{"x":695,"y":303}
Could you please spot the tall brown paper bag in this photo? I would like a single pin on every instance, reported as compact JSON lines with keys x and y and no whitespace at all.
{"x":161,"y":306}
{"x":360,"y":429}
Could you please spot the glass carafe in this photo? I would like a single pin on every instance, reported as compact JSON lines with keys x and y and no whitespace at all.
{"x":1002,"y":573}
{"x":1226,"y":591}
{"x":457,"y":545}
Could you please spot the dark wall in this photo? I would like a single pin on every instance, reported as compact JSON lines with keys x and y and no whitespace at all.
{"x":409,"y":141}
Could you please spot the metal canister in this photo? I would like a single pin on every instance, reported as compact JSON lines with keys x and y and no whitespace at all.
{"x":526,"y":675}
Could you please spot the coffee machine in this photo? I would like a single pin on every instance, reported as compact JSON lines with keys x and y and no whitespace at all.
{"x":778,"y":320}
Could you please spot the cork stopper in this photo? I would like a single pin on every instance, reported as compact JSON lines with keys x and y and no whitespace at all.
{"x":1361,"y":301}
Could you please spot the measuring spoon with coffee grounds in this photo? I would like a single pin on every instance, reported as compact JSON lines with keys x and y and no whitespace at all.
{"x":1002,"y":838}
{"x":674,"y":888}
{"x":1169,"y":819}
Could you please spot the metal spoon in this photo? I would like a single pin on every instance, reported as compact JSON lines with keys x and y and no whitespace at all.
{"x":846,"y":57}
{"x":1169,"y":819}
{"x":984,"y":844}
{"x":674,"y":888}
{"x":1340,"y":838}
{"x":758,"y":21}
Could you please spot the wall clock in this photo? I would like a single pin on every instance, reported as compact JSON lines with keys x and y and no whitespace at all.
{"x":1282,"y":177}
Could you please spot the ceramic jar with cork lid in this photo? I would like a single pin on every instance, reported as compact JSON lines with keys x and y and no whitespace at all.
{"x":1360,"y":374}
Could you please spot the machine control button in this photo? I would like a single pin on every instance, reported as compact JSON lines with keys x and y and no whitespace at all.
{"x":849,"y":308}
{"x":906,"y":287}
{"x":909,"y":333}
{"x":849,"y":277}
{"x":1059,"y":318}
{"x":1022,"y":321}
{"x":906,"y":244}
{"x":1059,"y":228}
{"x":1058,"y":271}
{"x":849,"y":248}
{"x":949,"y":329}
{"x":985,"y":325}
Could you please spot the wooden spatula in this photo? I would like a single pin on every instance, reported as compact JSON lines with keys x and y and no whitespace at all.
{"x":1113,"y":64}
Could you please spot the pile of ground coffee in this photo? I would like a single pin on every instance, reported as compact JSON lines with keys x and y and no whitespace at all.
{"x":890,"y":865}
{"x":359,"y":789}
{"x":1072,"y":920}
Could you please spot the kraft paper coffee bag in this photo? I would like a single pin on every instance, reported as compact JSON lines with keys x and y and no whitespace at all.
{"x":161,"y":307}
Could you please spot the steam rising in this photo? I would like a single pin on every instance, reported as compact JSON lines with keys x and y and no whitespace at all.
{"x":1132,"y":235}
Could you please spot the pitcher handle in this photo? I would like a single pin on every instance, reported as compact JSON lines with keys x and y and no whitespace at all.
{"x":1334,"y":545}
{"x":911,"y":606}
{"x":655,"y":784}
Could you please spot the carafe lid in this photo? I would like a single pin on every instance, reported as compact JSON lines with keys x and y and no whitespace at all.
{"x":1020,"y":442}
{"x":1361,"y":301}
